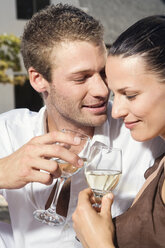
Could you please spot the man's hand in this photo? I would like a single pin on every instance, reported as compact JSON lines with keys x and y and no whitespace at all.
{"x":32,"y":162}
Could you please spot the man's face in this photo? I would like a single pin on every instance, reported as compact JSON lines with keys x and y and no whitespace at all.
{"x":78,"y":93}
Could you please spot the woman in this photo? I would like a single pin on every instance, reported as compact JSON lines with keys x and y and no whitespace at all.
{"x":136,"y":75}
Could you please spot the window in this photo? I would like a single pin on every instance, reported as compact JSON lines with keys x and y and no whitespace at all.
{"x":26,"y":8}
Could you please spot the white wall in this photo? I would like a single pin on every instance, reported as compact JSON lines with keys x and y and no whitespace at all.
{"x":8,"y":16}
{"x":10,"y":25}
{"x":6,"y":97}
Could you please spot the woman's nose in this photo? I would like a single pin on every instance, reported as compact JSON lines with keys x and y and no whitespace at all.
{"x":99,"y":88}
{"x":119,"y":109}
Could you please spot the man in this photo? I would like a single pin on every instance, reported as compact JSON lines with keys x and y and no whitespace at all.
{"x":64,"y":53}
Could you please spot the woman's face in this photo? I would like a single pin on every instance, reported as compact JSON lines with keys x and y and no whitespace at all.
{"x":139,"y":96}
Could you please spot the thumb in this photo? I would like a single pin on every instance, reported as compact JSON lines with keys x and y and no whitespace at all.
{"x":106,"y":204}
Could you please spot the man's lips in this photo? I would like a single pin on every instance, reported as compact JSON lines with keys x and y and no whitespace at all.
{"x":97,"y":108}
{"x":130,"y":124}
{"x":98,"y":105}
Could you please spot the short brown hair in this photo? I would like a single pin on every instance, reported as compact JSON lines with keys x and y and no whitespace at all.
{"x":52,"y":25}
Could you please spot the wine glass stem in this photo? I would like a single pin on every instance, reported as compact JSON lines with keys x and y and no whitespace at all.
{"x":60,"y":183}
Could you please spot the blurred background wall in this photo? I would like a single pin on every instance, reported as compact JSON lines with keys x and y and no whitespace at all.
{"x":116,"y":16}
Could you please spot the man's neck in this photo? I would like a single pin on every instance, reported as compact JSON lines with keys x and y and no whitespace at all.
{"x":61,"y":124}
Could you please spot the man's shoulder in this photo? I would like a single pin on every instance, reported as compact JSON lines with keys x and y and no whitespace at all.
{"x":17,"y":127}
{"x":21,"y":119}
{"x":17,"y":115}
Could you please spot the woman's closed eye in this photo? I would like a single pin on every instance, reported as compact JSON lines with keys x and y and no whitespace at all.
{"x":131,"y":97}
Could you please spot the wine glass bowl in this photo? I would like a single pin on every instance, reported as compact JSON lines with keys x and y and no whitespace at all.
{"x":66,"y":168}
{"x":50,"y":216}
{"x":103,"y":169}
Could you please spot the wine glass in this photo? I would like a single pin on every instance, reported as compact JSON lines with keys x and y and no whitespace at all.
{"x":50,"y":216}
{"x":103,"y":170}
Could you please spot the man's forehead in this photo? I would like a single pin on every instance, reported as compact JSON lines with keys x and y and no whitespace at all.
{"x":79,"y":56}
{"x":77,"y":45}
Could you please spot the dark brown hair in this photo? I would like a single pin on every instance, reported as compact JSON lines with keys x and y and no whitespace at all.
{"x":146,"y":38}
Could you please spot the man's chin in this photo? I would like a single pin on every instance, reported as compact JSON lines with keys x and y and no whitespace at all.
{"x":97,"y":121}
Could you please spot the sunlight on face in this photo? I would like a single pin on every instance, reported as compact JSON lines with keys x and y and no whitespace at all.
{"x":78,"y":93}
{"x":139,"y":97}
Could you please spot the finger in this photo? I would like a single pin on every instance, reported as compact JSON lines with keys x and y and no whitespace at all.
{"x":106,"y":204}
{"x":85,"y":196}
{"x":41,"y":177}
{"x":93,"y":199}
{"x":57,"y":136}
{"x":56,"y":151}
{"x":49,"y":166}
{"x":97,"y":208}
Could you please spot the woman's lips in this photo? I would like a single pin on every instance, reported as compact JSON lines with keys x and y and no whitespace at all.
{"x":131,"y":124}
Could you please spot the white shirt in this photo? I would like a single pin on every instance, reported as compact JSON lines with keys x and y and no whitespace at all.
{"x":18,"y":126}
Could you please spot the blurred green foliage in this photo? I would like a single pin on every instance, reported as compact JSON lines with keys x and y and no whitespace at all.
{"x":10,"y":64}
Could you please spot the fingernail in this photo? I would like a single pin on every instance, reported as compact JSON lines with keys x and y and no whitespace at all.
{"x":109,"y":196}
{"x":77,"y":140}
{"x":81,"y":162}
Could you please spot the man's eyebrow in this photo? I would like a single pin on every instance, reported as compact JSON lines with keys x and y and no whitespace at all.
{"x":83,"y":71}
{"x":86,"y":71}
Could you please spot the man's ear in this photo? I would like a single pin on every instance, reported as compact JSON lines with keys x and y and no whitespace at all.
{"x":37,"y":81}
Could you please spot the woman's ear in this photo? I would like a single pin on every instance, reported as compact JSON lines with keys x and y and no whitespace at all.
{"x":37,"y":81}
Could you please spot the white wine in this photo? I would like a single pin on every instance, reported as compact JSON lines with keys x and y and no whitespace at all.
{"x":68,"y":169}
{"x":102,"y":181}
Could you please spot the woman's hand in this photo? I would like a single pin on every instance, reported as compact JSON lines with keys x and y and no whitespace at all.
{"x":94,"y":229}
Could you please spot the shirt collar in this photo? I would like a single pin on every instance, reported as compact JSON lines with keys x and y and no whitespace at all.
{"x":41,"y":126}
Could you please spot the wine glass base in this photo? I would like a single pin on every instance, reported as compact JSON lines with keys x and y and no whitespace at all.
{"x":46,"y":217}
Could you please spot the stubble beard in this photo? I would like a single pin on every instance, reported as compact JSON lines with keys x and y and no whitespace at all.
{"x":66,"y":111}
